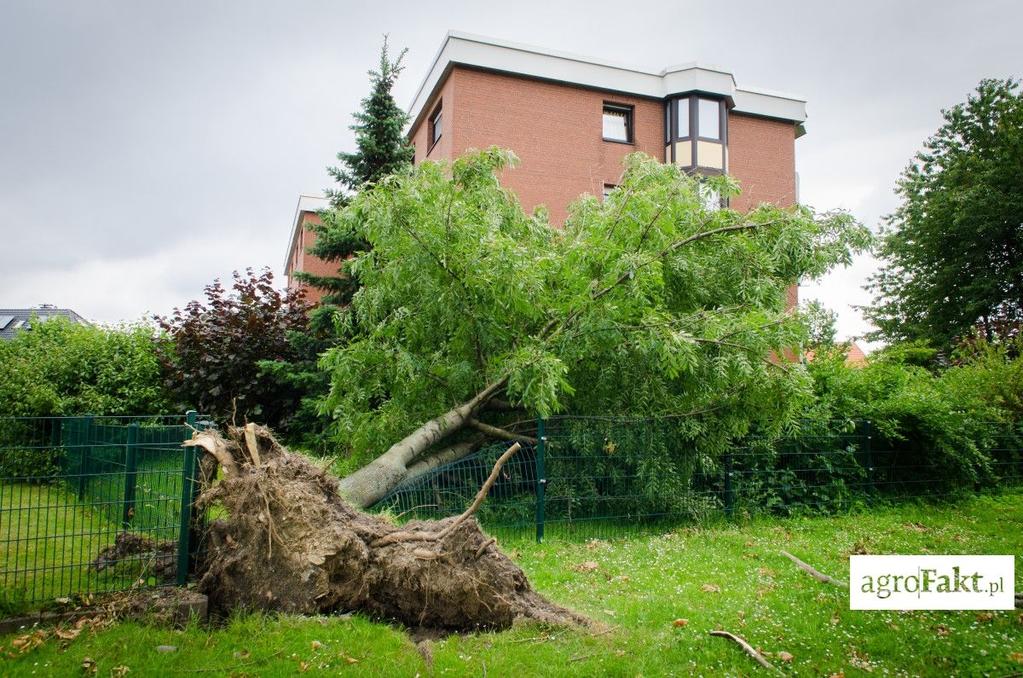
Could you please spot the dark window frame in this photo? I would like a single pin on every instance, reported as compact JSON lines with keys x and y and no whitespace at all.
{"x":435,"y":131}
{"x":608,"y":187}
{"x":688,"y":99}
{"x":722,"y":124}
{"x":692,"y":101}
{"x":630,"y":122}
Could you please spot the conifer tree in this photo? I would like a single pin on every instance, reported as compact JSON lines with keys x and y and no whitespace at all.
{"x":381,"y":149}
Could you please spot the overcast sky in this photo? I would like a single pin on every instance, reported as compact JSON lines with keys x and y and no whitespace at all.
{"x":148,"y":147}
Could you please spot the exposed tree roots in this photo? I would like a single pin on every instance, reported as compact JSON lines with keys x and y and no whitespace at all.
{"x":289,"y":542}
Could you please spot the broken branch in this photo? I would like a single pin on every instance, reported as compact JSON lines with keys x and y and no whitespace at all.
{"x":497,"y":432}
{"x":813,"y":572}
{"x":395,"y":537}
{"x":750,"y":650}
{"x":484,"y":491}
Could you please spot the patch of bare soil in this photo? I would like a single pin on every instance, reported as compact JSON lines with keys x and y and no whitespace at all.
{"x":291,"y":543}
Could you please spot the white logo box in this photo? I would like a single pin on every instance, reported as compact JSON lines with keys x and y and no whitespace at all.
{"x":931,"y":582}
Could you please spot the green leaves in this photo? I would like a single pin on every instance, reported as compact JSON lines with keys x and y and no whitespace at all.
{"x":60,"y":368}
{"x":953,"y":249}
{"x":645,"y":303}
{"x":538,"y":379}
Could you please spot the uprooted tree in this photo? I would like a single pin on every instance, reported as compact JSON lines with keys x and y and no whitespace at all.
{"x":476,"y":314}
{"x":472,"y":315}
{"x":288,"y":541}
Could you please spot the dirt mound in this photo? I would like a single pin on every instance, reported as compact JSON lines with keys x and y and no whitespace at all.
{"x":159,"y":558}
{"x":289,"y":542}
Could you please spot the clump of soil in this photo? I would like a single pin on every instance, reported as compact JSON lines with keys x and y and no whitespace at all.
{"x":291,"y":543}
{"x":159,"y":558}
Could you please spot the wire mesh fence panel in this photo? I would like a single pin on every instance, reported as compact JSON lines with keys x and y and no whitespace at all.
{"x":449,"y":489}
{"x":596,"y":477}
{"x":70,"y":485}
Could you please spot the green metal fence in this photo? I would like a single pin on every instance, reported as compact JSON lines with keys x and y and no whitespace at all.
{"x":598,"y":477}
{"x":70,"y":485}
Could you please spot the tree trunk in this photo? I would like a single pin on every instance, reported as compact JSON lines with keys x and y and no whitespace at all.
{"x":372,"y":482}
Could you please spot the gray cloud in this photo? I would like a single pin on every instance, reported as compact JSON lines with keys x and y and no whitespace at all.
{"x":146,"y":148}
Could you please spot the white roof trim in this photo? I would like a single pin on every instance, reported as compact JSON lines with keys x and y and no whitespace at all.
{"x":499,"y":55}
{"x":306,"y":203}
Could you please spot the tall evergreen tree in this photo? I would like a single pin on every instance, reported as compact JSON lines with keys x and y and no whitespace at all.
{"x":381,"y":150}
{"x":953,"y":250}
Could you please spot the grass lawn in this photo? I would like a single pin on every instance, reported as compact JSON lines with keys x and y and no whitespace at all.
{"x":730,"y":577}
{"x":48,"y":538}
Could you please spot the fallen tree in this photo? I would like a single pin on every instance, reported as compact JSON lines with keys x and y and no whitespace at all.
{"x":290,"y":542}
{"x":649,"y":302}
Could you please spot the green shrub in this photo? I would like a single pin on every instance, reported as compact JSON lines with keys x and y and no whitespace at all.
{"x":942,"y":426}
{"x":36,"y":464}
{"x":60,"y":368}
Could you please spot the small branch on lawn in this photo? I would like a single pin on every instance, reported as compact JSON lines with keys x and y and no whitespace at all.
{"x":813,"y":572}
{"x":501,"y":433}
{"x":750,"y":650}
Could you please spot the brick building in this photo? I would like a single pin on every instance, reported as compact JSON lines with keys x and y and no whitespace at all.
{"x":302,"y":238}
{"x":571,"y":120}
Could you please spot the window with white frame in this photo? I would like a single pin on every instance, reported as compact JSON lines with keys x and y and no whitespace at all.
{"x":617,"y":123}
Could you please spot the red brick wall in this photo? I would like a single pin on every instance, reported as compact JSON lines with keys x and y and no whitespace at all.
{"x":555,"y":130}
{"x":303,"y":261}
{"x":442,"y":150}
{"x":762,"y":156}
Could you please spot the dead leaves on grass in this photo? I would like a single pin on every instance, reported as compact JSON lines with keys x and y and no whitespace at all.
{"x":29,"y":641}
{"x":66,"y":634}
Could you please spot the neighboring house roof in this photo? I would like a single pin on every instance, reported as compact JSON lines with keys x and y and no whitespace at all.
{"x":492,"y":54}
{"x":854,"y":355}
{"x":13,"y":320}
{"x":306,"y":203}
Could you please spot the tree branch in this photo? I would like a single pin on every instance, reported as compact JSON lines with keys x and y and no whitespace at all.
{"x":404,"y":536}
{"x":501,"y":433}
{"x":816,"y":574}
{"x":682,"y":243}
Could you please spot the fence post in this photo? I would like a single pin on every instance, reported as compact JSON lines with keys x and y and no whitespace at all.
{"x":130,"y":474}
{"x":84,"y":452}
{"x":188,"y":490}
{"x":541,"y":477}
{"x":729,"y":491}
